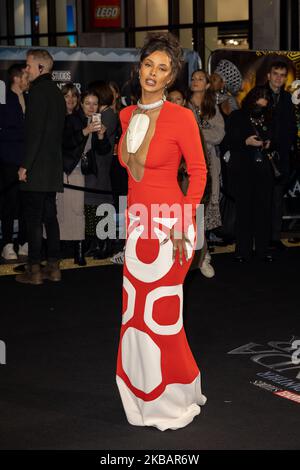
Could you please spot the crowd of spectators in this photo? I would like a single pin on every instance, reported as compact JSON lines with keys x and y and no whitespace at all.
{"x":247,"y":147}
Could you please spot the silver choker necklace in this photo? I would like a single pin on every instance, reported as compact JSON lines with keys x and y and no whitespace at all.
{"x":149,"y":106}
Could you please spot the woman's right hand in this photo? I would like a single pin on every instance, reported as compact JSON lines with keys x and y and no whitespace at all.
{"x":254,"y":141}
{"x":92,"y":127}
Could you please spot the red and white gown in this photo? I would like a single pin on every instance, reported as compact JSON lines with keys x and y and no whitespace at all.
{"x":157,"y":375}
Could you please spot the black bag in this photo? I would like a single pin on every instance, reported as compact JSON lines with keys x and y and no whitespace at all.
{"x":89,"y":163}
{"x":272,"y":156}
{"x":275,"y":162}
{"x":228,"y":216}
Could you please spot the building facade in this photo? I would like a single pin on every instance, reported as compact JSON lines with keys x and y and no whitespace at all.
{"x":202,"y":25}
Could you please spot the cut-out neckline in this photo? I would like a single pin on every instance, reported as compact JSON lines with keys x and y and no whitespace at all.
{"x":148,"y":149}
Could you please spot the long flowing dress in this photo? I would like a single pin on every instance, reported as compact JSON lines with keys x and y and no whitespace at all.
{"x":157,"y":375}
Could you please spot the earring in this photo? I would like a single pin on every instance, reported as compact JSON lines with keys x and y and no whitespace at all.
{"x":165,"y":92}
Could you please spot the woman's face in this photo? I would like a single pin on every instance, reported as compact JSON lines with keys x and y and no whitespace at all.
{"x":176,"y":97}
{"x":115,"y":93}
{"x":155,"y":72}
{"x":90,"y":105}
{"x":216,"y":82}
{"x":71,"y":101}
{"x":199,"y":82}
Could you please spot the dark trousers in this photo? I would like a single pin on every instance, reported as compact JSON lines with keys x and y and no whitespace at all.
{"x":253,"y":196}
{"x":277,"y":209}
{"x":278,"y":194}
{"x":39,"y":210}
{"x":11,"y":204}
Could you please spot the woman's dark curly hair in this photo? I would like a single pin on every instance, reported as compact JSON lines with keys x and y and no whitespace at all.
{"x":253,"y":96}
{"x":167,"y":43}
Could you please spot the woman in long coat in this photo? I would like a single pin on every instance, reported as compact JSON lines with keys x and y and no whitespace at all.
{"x":212,"y":128}
{"x":78,"y":127}
{"x":101,"y":249}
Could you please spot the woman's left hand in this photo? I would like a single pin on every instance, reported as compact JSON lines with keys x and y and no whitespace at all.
{"x":179,"y":241}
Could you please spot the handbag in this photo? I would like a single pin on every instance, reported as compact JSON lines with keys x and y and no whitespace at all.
{"x":88,"y":159}
{"x":228,"y":216}
{"x":274,"y":160}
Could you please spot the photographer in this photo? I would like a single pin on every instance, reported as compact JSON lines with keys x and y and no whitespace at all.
{"x":248,"y":136}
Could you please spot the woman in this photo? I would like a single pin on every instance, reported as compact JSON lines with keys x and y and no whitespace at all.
{"x":101,"y":249}
{"x":116,"y":106}
{"x":69,"y":203}
{"x":157,"y":376}
{"x":78,"y":128}
{"x":247,"y":134}
{"x":226,"y":82}
{"x":119,"y":181}
{"x":211,"y":125}
{"x":72,"y":97}
{"x":177,"y":96}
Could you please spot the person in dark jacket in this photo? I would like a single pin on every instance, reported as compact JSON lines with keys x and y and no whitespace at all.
{"x":101,"y":249}
{"x":78,"y":128}
{"x":284,"y":132}
{"x":11,"y":153}
{"x":248,"y":132}
{"x":41,"y":171}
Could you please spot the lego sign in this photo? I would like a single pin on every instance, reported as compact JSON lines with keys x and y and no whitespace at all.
{"x":106,"y":14}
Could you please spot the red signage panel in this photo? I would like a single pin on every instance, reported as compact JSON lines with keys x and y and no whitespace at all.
{"x":106,"y":13}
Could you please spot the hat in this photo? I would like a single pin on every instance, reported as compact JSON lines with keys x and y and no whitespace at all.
{"x":230,"y":74}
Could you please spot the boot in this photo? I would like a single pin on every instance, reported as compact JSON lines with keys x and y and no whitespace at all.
{"x":32,"y":275}
{"x":79,"y":253}
{"x":51,"y":271}
{"x":22,"y":268}
{"x":104,"y":249}
{"x":91,"y":246}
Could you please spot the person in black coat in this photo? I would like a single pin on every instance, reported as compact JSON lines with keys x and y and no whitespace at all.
{"x":12,"y":135}
{"x":76,"y":131}
{"x":101,"y":249}
{"x":284,"y":137}
{"x":41,"y":171}
{"x":249,"y":139}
